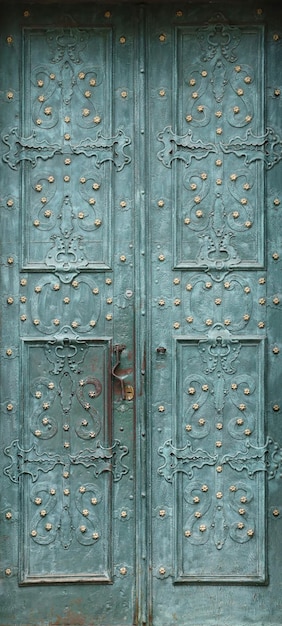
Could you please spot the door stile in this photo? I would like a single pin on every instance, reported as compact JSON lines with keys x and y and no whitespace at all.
{"x":141,"y":286}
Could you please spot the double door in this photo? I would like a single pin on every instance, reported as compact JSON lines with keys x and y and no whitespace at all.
{"x":141,"y":314}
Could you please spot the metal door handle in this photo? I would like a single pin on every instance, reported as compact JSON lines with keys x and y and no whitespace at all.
{"x":118,"y":349}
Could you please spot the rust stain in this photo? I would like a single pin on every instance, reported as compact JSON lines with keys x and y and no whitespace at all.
{"x":70,"y":619}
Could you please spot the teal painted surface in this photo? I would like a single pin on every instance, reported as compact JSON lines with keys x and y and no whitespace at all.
{"x":141,"y":162}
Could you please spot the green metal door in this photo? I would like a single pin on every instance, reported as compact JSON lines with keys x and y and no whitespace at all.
{"x":141,"y":443}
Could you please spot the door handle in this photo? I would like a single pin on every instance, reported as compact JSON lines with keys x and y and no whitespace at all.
{"x":118,"y":349}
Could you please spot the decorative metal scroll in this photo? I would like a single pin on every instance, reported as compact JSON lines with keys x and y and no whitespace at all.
{"x":182,"y":147}
{"x":267,"y":147}
{"x":31,"y":149}
{"x":253,"y":459}
{"x":31,"y":461}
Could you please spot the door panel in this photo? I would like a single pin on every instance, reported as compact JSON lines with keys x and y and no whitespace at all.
{"x":214,"y":190}
{"x":140,"y":216}
{"x":67,"y":459}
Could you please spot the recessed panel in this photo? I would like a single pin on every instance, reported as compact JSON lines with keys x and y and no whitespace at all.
{"x":65,"y":463}
{"x":219,"y":460}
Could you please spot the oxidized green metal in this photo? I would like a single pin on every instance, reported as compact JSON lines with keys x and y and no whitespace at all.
{"x":141,"y":448}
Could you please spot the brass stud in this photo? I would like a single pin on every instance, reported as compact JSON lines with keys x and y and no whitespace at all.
{"x":161,"y":257}
{"x":92,"y":82}
{"x":177,"y":302}
{"x":179,"y":13}
{"x":52,"y":76}
{"x":188,"y":427}
{"x":161,"y":302}
{"x":82,"y":529}
{"x":10,"y":95}
{"x":162,"y":37}
{"x":259,"y":11}
{"x":219,"y":495}
{"x":218,"y":301}
{"x":188,"y":118}
{"x":36,"y":322}
{"x":218,"y":114}
{"x":233,"y":177}
{"x":191,"y":390}
{"x":92,"y":201}
{"x":275,"y":350}
{"x":95,"y":535}
{"x":92,"y":323}
{"x":248,"y":118}
{"x":240,"y":525}
{"x":204,"y":176}
{"x":9,"y":352}
{"x":52,"y":491}
{"x":176,"y":325}
{"x":10,"y":300}
{"x":277,"y":92}
{"x":87,"y":93}
{"x":123,"y":571}
{"x":233,"y":488}
{"x":246,"y":317}
{"x":56,"y":287}
{"x":38,"y":121}
{"x":176,"y":281}
{"x":204,"y":488}
{"x":66,"y":474}
{"x":275,"y":512}
{"x":219,"y":426}
{"x":219,"y":469}
{"x":192,"y":82}
{"x":195,"y":95}
{"x":10,"y":260}
{"x":10,"y":202}
{"x":201,"y":421}
{"x":196,"y":499}
{"x":218,"y":444}
{"x":204,"y":73}
{"x":276,"y":407}
{"x":242,"y":407}
{"x":275,"y":256}
{"x":208,"y":322}
{"x":47,"y":213}
{"x":276,"y":201}
{"x":244,"y":201}
{"x":122,"y":40}
{"x":123,"y":94}
{"x":26,"y":13}
{"x":8,"y":571}
{"x":240,"y":421}
{"x":189,"y":287}
{"x":218,"y":162}
{"x":187,"y":533}
{"x":66,"y":492}
{"x":250,"y":532}
{"x":67,"y":136}
{"x":8,"y":515}
{"x":10,"y":406}
{"x":247,"y":432}
{"x":205,"y":387}
{"x":237,"y":68}
{"x":37,"y":501}
{"x":236,"y":110}
{"x":43,"y":512}
{"x":189,"y":319}
{"x":161,"y":408}
{"x":276,"y":37}
{"x":48,"y":110}
{"x":200,"y":108}
{"x":37,"y":433}
{"x":261,"y":324}
{"x":9,"y":39}
{"x":247,"y":80}
{"x":107,"y":14}
{"x":276,"y":300}
{"x":109,"y":317}
{"x":219,"y":131}
{"x":122,"y":258}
